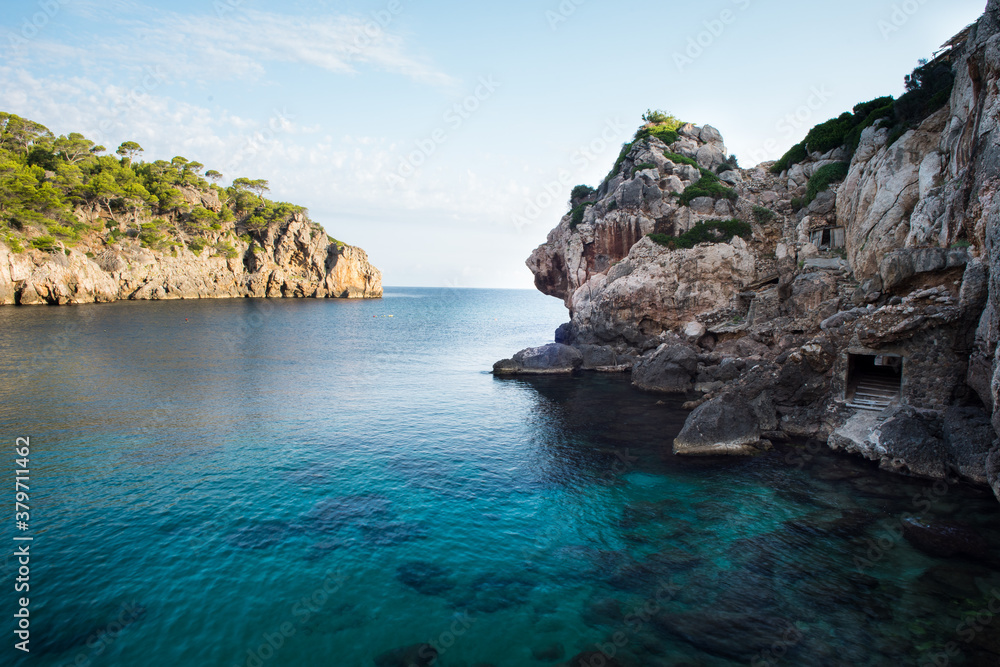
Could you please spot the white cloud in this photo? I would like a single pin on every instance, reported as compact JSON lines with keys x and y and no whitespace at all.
{"x":222,"y":45}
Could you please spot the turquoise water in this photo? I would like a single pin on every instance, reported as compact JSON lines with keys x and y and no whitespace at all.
{"x":214,"y":479}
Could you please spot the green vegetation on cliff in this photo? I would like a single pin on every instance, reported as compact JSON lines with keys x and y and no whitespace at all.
{"x":928,"y":88}
{"x":63,"y":189}
{"x":712,"y":231}
{"x":708,"y":185}
{"x":824,"y":177}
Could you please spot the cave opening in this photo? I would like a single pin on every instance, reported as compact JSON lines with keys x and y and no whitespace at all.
{"x":874,"y":381}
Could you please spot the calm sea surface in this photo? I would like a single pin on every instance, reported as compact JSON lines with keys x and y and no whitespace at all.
{"x":246,"y":482}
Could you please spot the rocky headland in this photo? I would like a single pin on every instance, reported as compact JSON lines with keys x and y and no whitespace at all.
{"x":848,"y":293}
{"x":81,"y":227}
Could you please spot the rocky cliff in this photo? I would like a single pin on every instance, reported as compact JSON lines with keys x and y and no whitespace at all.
{"x":861,"y":272}
{"x":290,"y":258}
{"x":78,"y":225}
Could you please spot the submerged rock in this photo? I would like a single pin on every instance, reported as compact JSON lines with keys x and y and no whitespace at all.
{"x":548,"y":359}
{"x":425,"y":578}
{"x":945,"y":540}
{"x":726,"y":425}
{"x":737,"y":636}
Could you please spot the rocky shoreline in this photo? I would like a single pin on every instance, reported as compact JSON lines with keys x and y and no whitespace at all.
{"x":858,"y":313}
{"x":289,"y":258}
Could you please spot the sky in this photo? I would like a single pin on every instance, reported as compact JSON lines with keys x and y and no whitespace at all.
{"x":444,"y":137}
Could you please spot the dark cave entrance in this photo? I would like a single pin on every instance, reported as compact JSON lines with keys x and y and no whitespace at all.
{"x":873,"y":381}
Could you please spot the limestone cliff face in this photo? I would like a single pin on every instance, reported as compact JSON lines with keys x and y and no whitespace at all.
{"x":632,"y":202}
{"x":292,"y":258}
{"x":781,"y":317}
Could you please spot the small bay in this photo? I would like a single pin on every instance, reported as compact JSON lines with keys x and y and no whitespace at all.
{"x":301,"y":482}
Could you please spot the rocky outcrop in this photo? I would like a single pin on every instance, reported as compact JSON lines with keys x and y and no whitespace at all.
{"x":726,"y":425}
{"x":781,"y":325}
{"x":952,"y":445}
{"x":293,"y":258}
{"x":545,"y":360}
{"x":669,"y":370}
{"x":639,"y":198}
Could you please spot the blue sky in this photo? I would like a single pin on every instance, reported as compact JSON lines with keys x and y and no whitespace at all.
{"x":444,"y":137}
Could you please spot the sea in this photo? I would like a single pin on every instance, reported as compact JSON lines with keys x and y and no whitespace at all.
{"x":251,"y":482}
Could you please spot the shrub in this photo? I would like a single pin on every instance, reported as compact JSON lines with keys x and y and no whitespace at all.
{"x":613,"y":206}
{"x":829,"y":135}
{"x":708,"y":185}
{"x":677,"y":158}
{"x":577,"y":214}
{"x":886,"y":111}
{"x":797,"y":203}
{"x":731,"y":164}
{"x":226,"y":250}
{"x":659,"y":117}
{"x":795,"y":154}
{"x":961,"y":243}
{"x":45,"y":243}
{"x":197,"y":245}
{"x":149,"y":237}
{"x":245,"y":238}
{"x":927,"y":90}
{"x":763,"y":215}
{"x":15,"y":244}
{"x":581,"y":192}
{"x":661,"y":132}
{"x":824,"y":177}
{"x":639,"y":167}
{"x":712,"y":231}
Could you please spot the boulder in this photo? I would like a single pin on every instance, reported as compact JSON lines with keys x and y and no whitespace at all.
{"x":670,"y":370}
{"x":693,"y":331}
{"x":564,"y":334}
{"x":547,"y":359}
{"x":969,"y":435}
{"x":604,"y":358}
{"x":912,"y":443}
{"x":731,"y":177}
{"x":710,"y":156}
{"x":725,"y":425}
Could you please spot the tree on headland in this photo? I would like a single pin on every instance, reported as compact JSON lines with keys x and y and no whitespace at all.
{"x":258,"y":186}
{"x":75,"y":147}
{"x":129,"y":150}
{"x":19,"y":134}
